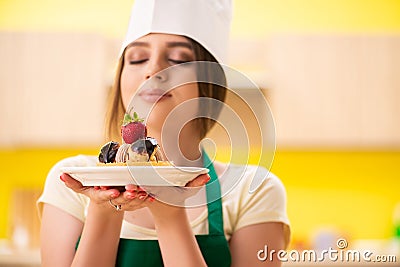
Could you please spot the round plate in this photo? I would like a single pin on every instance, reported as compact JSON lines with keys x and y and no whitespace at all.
{"x":139,"y":175}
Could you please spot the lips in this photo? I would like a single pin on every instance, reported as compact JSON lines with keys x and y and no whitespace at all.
{"x":154,"y":95}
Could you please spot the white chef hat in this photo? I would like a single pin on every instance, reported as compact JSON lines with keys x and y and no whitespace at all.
{"x":205,"y":21}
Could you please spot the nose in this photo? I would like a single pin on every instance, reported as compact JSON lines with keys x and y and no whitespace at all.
{"x":156,"y":70}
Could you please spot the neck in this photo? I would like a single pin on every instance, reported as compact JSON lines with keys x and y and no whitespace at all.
{"x":183,"y":150}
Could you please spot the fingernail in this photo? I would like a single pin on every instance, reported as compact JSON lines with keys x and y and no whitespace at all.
{"x":130,"y":188}
{"x":142,"y":196}
{"x":131,"y":196}
{"x":62,"y":178}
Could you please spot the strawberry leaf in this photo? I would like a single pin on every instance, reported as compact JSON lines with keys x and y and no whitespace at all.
{"x":136,"y":118}
{"x":127,"y":119}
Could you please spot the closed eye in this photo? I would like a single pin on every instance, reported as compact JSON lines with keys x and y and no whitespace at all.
{"x":175,"y":61}
{"x":133,"y":62}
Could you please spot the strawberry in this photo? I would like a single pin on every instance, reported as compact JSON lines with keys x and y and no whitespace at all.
{"x":133,"y":129}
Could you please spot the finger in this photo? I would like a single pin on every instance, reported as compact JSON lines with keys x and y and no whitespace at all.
{"x":99,"y":196}
{"x":135,"y":195}
{"x":142,"y":195}
{"x":75,"y":185}
{"x":199,"y":181}
{"x":133,"y":187}
{"x":104,"y":187}
{"x":71,"y":182}
{"x":129,"y":195}
{"x":106,"y":195}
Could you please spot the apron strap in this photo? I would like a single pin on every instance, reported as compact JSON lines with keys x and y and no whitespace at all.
{"x":214,"y":203}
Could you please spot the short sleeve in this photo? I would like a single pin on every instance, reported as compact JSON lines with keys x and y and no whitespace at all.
{"x":57,"y":194}
{"x":266,"y":204}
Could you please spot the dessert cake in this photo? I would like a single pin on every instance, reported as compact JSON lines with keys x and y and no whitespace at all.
{"x":137,"y":149}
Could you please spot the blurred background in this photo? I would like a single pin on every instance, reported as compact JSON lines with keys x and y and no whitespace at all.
{"x":330,"y":72}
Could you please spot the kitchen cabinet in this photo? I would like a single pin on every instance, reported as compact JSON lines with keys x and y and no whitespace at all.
{"x":324,"y":90}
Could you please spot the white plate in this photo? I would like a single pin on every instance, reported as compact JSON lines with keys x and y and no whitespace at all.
{"x":140,"y":175}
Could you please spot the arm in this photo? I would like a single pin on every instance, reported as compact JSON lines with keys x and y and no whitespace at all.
{"x":101,"y":230}
{"x":176,"y":239}
{"x":177,"y":242}
{"x":100,"y":237}
{"x":99,"y":240}
{"x":58,"y":235}
{"x":247,"y":241}
{"x":99,"y":234}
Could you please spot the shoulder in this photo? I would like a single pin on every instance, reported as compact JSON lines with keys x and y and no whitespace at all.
{"x":53,"y":177}
{"x":76,"y":161}
{"x":57,"y":194}
{"x":236,"y":181}
{"x":243,"y":207}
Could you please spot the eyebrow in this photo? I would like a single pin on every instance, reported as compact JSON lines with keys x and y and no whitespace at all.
{"x":169,"y":44}
{"x":182,"y":44}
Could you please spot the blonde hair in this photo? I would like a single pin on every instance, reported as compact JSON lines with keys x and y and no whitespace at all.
{"x":116,"y":109}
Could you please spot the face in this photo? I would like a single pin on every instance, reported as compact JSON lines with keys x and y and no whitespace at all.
{"x":143,"y":60}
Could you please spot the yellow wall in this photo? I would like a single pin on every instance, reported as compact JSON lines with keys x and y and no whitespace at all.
{"x":26,"y":168}
{"x":351,"y":190}
{"x":251,"y":17}
{"x":257,"y":17}
{"x":355,"y":190}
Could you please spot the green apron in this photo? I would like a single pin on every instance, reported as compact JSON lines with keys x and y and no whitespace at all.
{"x":214,"y":246}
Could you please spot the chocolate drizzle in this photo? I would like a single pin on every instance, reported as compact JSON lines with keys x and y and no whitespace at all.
{"x":108,"y":152}
{"x":148,"y":147}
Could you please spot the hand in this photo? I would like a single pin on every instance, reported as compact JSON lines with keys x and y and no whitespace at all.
{"x":174,"y":195}
{"x":102,"y":195}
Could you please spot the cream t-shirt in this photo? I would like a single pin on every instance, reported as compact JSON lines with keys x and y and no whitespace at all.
{"x":240,"y":208}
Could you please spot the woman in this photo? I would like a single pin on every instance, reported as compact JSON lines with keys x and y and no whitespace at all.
{"x":144,"y":231}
